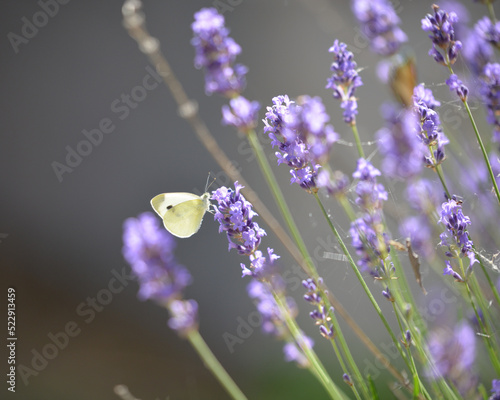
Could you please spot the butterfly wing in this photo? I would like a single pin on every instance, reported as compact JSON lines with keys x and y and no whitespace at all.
{"x":182,"y":213}
{"x":166,"y":201}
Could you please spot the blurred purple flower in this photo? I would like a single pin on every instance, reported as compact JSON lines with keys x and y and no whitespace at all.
{"x":402,"y":151}
{"x":380,"y":24}
{"x":488,"y":31}
{"x":184,"y":315}
{"x":490,"y":93}
{"x":216,"y":53}
{"x":418,"y":230}
{"x":495,"y":389}
{"x":273,"y":322}
{"x":149,"y":249}
{"x":453,"y":355}
{"x":294,"y":352}
{"x":241,"y":113}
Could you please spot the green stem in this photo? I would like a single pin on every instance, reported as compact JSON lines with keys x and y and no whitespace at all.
{"x":491,"y":11}
{"x":214,"y":365}
{"x":487,"y":337}
{"x":343,"y":365}
{"x":285,"y":212}
{"x":357,"y":139}
{"x":439,"y":172}
{"x":316,"y":365}
{"x":483,"y":150}
{"x":360,"y":278}
{"x":278,"y":197}
{"x":490,"y":282}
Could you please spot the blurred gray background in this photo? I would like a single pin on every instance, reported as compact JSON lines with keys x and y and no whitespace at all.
{"x":61,"y":240}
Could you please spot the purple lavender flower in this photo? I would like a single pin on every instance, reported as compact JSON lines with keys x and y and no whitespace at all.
{"x":370,"y":194}
{"x":344,"y":80}
{"x":149,"y":249}
{"x":456,"y":224}
{"x":184,"y":316}
{"x":442,"y":34}
{"x":453,"y":354}
{"x":302,"y":135}
{"x":463,"y":16}
{"x":430,"y":132}
{"x":477,"y":53}
{"x":422,"y":196}
{"x":273,"y":322}
{"x":398,"y":143}
{"x":235,"y":215}
{"x":456,"y":84}
{"x":489,"y":31}
{"x":379,"y":23}
{"x":368,"y":238}
{"x":495,"y":389}
{"x":388,"y":295}
{"x":241,"y":113}
{"x":347,"y":379}
{"x":418,"y":230}
{"x":423,"y":97}
{"x":490,"y":92}
{"x":216,"y":53}
{"x":321,"y":314}
{"x":448,"y":270}
{"x":294,"y":352}
{"x":335,"y":184}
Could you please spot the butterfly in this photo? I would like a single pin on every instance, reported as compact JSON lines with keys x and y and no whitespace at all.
{"x":182,"y":213}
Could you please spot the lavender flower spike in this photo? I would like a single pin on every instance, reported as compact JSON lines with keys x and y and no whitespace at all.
{"x":490,"y":92}
{"x":184,"y":316}
{"x":456,"y":235}
{"x":294,"y":352}
{"x":148,"y":248}
{"x":379,"y":22}
{"x":442,"y":34}
{"x":303,"y":137}
{"x":398,"y":142}
{"x":235,"y":215}
{"x":495,"y":389}
{"x":344,"y":80}
{"x":241,"y":113}
{"x":216,"y":53}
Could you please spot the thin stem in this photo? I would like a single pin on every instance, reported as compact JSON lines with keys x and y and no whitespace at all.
{"x":483,"y":150}
{"x":360,"y":278}
{"x":491,"y":351}
{"x":343,"y":365}
{"x":214,"y":365}
{"x":319,"y":369}
{"x":359,"y":146}
{"x":491,"y":11}
{"x":285,"y":212}
{"x":439,"y":172}
{"x":490,"y":282}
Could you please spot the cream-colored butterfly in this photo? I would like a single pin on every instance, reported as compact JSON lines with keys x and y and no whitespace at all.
{"x":182,"y":213}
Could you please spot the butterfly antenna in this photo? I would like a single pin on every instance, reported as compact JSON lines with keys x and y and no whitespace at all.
{"x":207,"y":185}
